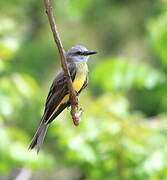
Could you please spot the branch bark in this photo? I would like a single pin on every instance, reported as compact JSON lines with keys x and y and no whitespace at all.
{"x":73,"y":96}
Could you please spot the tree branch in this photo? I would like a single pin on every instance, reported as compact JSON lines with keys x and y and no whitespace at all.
{"x":73,"y":98}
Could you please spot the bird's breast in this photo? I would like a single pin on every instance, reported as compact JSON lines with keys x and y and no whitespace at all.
{"x":80,"y":77}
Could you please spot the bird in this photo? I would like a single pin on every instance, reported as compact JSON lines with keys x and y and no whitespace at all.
{"x":58,"y":96}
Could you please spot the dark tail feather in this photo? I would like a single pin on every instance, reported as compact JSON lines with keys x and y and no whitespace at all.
{"x":40,"y":133}
{"x":39,"y":137}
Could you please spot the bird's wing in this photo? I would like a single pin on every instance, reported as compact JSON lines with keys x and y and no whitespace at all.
{"x":63,"y":106}
{"x":57,"y":91}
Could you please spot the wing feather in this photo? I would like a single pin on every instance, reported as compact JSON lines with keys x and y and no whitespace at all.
{"x":57,"y":91}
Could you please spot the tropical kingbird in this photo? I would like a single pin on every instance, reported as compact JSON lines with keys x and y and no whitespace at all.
{"x":58,"y":97}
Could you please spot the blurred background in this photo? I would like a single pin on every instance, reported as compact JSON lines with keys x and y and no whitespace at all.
{"x":123,"y":131}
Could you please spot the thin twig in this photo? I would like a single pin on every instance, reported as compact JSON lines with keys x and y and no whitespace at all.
{"x":73,"y":97}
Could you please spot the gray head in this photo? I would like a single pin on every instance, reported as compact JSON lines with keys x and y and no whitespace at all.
{"x":78,"y":53}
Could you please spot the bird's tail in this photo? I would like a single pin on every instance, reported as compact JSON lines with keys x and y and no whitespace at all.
{"x":39,"y":136}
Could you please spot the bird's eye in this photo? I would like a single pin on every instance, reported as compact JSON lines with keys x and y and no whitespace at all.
{"x":79,"y":52}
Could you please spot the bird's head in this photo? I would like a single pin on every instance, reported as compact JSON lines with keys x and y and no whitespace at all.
{"x":78,"y":53}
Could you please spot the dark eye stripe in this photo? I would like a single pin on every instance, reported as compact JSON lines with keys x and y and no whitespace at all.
{"x":79,"y":53}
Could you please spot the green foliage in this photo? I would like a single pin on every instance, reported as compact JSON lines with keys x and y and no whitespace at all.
{"x":117,"y":74}
{"x":158,"y":31}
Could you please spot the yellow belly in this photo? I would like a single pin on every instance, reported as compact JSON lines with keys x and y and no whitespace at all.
{"x":77,"y":84}
{"x":80,"y":77}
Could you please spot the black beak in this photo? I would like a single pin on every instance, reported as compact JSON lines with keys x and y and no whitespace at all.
{"x":87,"y":53}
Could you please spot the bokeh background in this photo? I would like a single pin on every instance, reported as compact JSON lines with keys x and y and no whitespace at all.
{"x":123,"y":131}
